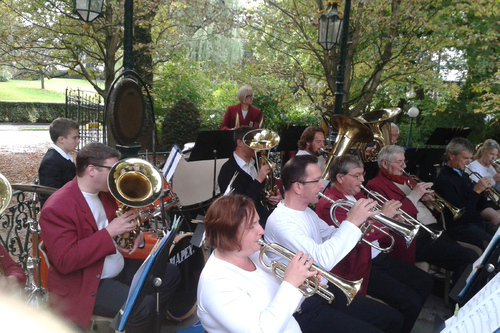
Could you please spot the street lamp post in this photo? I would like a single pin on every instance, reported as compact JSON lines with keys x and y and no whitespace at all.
{"x":329,"y":36}
{"x":412,"y":113}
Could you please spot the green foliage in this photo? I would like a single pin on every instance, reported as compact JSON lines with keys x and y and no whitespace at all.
{"x":181,"y":125}
{"x":30,"y":112}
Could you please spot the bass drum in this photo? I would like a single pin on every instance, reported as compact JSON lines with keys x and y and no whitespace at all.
{"x":190,"y":259}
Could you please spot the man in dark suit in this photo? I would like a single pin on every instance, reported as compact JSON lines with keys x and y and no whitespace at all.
{"x":88,"y":273}
{"x":455,"y":186}
{"x":57,"y":166}
{"x":249,"y":181}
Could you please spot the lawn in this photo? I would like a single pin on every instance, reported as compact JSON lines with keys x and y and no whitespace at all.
{"x":30,"y":91}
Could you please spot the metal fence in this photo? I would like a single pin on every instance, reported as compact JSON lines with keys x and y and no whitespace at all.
{"x":87,"y":108}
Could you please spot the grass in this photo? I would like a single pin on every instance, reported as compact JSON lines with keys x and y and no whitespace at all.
{"x":30,"y":91}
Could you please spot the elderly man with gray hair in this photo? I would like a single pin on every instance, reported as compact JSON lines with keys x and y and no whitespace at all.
{"x":455,"y":186}
{"x":394,"y":185}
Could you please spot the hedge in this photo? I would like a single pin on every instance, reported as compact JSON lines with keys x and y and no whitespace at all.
{"x":31,"y":112}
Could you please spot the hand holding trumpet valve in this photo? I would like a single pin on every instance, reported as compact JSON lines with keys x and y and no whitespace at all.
{"x":298,"y":270}
{"x":361,"y":211}
{"x":483,"y":184}
{"x":263,"y":172}
{"x":422,"y":188}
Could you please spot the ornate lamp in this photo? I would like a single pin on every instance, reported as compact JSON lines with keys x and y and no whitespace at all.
{"x":88,"y":10}
{"x":330,"y":26}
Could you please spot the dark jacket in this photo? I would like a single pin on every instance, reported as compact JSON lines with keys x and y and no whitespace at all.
{"x":55,"y":171}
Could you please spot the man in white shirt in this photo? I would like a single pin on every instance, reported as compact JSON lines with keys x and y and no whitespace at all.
{"x":310,"y":143}
{"x":248,"y":181}
{"x":57,"y":166}
{"x":295,"y":226}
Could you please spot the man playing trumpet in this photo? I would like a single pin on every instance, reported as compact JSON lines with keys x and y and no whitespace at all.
{"x":393,"y":184}
{"x":296,"y":227}
{"x":392,"y":280}
{"x":455,"y":186}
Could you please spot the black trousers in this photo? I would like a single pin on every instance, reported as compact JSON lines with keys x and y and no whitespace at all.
{"x":402,"y":286}
{"x":112,"y":294}
{"x":444,"y":252}
{"x":362,"y":315}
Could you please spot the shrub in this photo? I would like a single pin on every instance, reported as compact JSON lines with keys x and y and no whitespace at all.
{"x":181,"y":125}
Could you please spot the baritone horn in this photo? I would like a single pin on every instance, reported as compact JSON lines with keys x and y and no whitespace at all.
{"x":135,"y":183}
{"x":262,"y":141}
{"x":365,"y":227}
{"x":440,"y":204}
{"x":349,"y":288}
{"x":350,"y":131}
{"x":404,"y":215}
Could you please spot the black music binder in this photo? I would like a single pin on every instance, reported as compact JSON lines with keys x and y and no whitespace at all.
{"x":289,"y":138}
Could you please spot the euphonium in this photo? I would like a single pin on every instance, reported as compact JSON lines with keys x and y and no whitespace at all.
{"x":404,"y":215}
{"x":491,"y":192}
{"x":134,"y":183}
{"x":350,"y":131}
{"x":379,"y":122}
{"x":440,"y":203}
{"x":349,"y":288}
{"x":403,"y":230}
{"x":262,"y":141}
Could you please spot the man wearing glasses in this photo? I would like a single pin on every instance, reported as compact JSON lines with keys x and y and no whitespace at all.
{"x":393,"y":184}
{"x":295,"y":226}
{"x":88,"y":273}
{"x":242,"y":114}
{"x":399,"y":284}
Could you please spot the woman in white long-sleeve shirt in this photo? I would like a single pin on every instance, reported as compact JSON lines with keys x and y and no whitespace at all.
{"x":235,"y":292}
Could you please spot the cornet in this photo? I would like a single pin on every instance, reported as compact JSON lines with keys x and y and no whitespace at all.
{"x":404,"y":215}
{"x":349,"y":288}
{"x":440,"y":204}
{"x":491,"y":192}
{"x":405,"y":231}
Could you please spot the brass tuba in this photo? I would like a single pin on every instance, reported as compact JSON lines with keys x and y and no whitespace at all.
{"x":5,"y":197}
{"x":350,"y":131}
{"x":379,"y":122}
{"x":262,"y":141}
{"x":349,"y":288}
{"x":440,"y":204}
{"x":135,"y":183}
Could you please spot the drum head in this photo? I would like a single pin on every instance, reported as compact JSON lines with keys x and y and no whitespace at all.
{"x":126,"y":108}
{"x":190,"y":259}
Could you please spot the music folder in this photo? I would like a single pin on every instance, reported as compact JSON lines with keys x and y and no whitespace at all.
{"x":442,"y":136}
{"x":157,"y":259}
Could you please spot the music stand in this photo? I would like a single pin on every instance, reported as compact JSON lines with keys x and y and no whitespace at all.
{"x":442,"y":136}
{"x":289,"y":138}
{"x":463,"y":291}
{"x":213,"y":145}
{"x":154,"y":266}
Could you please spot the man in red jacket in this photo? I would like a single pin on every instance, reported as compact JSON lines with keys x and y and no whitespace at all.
{"x":88,"y":273}
{"x":397,"y":283}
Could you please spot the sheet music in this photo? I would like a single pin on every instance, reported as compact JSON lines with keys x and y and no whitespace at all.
{"x":480,"y":314}
{"x":481,"y":260}
{"x":171,"y":164}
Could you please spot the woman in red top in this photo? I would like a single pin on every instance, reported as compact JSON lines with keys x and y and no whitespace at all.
{"x":242,"y":114}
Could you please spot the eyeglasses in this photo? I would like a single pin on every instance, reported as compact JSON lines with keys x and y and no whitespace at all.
{"x":357,"y":176}
{"x":102,"y":166}
{"x":310,"y":182}
{"x":400,"y":163}
{"x":249,"y":96}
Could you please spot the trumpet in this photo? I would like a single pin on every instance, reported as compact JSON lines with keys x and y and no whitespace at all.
{"x":349,"y":288}
{"x":406,"y":231}
{"x":492,"y":193}
{"x":404,"y":215}
{"x":440,"y":204}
